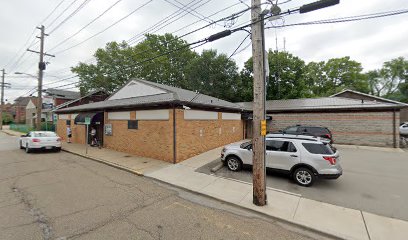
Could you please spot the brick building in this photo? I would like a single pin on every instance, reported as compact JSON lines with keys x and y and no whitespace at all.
{"x":19,"y":106}
{"x":172,"y":124}
{"x":158,"y":121}
{"x":57,"y":97}
{"x":351,"y":121}
{"x":363,"y":96}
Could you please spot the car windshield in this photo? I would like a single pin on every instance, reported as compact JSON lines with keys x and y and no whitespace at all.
{"x":44,"y":134}
{"x":319,"y":148}
{"x":245,"y":144}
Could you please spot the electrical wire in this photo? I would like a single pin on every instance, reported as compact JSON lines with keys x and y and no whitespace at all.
{"x":63,"y":11}
{"x":87,"y":25}
{"x":195,"y":14}
{"x":233,"y":53}
{"x":105,"y":29}
{"x":81,"y":6}
{"x":346,"y":19}
{"x":164,"y":22}
{"x":191,"y":32}
{"x":49,"y":15}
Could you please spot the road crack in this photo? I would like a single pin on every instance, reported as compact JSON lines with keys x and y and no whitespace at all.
{"x":39,"y":217}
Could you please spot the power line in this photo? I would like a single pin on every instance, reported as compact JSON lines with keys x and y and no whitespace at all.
{"x":200,"y":16}
{"x":83,"y":4}
{"x":198,"y":29}
{"x":63,"y":11}
{"x":113,"y":24}
{"x":233,"y":53}
{"x":49,"y":15}
{"x":165,"y":21}
{"x":232,"y":16}
{"x":346,"y":19}
{"x":80,"y":30}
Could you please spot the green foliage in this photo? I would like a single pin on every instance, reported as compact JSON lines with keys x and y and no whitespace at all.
{"x":7,"y":118}
{"x":286,"y":77}
{"x":214,"y":75}
{"x":327,"y":78}
{"x":391,"y":81}
{"x":119,"y":62}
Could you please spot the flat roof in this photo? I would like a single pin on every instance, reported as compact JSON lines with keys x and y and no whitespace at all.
{"x":323,"y":103}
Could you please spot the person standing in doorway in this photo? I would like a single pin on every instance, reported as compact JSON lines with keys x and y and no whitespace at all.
{"x":69,"y":134}
{"x":94,"y":141}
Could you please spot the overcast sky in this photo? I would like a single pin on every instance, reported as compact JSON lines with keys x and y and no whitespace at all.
{"x":370,"y":42}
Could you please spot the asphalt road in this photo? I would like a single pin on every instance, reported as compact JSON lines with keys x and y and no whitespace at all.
{"x":372,"y":181}
{"x":63,"y":196}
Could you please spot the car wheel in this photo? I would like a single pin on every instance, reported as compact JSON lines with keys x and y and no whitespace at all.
{"x":304,"y":177}
{"x":58,"y":149}
{"x":27,"y":149}
{"x":21,"y":145}
{"x":234,"y":164}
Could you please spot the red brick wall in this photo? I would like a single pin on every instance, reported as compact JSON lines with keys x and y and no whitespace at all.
{"x":78,"y":131}
{"x":198,"y":136}
{"x":153,"y":138}
{"x":360,"y":128}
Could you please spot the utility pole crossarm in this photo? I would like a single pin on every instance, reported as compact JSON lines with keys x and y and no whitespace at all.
{"x":45,"y":54}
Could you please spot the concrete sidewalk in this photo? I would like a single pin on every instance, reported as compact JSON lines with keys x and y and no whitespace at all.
{"x":131,"y":163}
{"x":336,"y":221}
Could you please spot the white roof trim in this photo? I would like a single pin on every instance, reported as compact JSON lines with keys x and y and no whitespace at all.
{"x":369,"y":95}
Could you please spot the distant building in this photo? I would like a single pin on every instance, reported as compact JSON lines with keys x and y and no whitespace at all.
{"x":19,"y":109}
{"x":363,"y":96}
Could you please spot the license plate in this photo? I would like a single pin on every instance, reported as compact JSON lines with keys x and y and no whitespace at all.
{"x":48,"y":147}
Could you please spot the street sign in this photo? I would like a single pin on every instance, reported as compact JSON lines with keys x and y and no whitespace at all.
{"x":87,"y":120}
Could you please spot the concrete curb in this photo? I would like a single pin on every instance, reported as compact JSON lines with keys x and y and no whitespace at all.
{"x":117,"y":166}
{"x":286,"y":221}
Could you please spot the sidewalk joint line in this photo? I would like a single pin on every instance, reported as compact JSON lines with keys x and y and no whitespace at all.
{"x":365,"y":225}
{"x":297,"y":206}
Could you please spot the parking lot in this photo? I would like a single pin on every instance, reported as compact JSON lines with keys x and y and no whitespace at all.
{"x":373,"y":180}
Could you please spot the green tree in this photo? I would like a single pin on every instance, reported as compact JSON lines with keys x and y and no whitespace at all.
{"x":7,"y":118}
{"x":213,"y":74}
{"x":327,"y":78}
{"x":286,"y":77}
{"x":151,"y":59}
{"x":391,"y":81}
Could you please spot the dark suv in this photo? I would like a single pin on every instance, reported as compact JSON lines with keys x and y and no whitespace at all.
{"x":310,"y":131}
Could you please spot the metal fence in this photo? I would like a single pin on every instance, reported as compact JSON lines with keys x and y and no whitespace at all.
{"x":24,"y":128}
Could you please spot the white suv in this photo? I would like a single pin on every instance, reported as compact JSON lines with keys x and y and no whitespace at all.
{"x":304,"y":158}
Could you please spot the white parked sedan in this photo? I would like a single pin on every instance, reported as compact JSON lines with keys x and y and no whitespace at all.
{"x":404,"y":129}
{"x":43,"y":140}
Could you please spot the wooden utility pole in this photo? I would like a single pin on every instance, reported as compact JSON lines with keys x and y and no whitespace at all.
{"x":258,"y":139}
{"x":2,"y":99}
{"x":41,"y":68}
